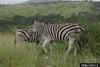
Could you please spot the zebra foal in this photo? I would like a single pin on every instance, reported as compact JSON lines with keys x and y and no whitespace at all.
{"x":58,"y":32}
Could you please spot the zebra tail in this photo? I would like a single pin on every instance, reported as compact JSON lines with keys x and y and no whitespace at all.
{"x":83,"y":29}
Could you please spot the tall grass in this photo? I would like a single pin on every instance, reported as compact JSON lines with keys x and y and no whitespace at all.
{"x":29,"y":55}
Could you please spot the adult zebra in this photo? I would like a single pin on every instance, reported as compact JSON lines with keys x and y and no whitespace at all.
{"x":55,"y":32}
{"x":27,"y":35}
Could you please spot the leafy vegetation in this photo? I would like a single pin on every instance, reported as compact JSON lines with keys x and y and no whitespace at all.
{"x":13,"y":16}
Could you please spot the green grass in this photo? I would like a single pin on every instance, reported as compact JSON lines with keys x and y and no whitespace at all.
{"x":28,"y":55}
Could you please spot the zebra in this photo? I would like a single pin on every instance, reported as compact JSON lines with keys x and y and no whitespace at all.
{"x":58,"y":32}
{"x":27,"y":35}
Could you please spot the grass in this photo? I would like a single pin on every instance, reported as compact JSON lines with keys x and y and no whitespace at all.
{"x":28,"y":55}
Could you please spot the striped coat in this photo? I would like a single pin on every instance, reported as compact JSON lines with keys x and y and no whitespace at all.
{"x":56,"y":32}
{"x":26,"y":35}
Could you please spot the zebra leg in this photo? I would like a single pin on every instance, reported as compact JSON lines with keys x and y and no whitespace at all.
{"x":71,"y":45}
{"x":37,"y":42}
{"x":40,"y":42}
{"x":75,"y":49}
{"x":46,"y":41}
{"x":50,"y":48}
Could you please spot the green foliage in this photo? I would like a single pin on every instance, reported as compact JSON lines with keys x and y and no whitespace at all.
{"x":12,"y":16}
{"x":90,"y":38}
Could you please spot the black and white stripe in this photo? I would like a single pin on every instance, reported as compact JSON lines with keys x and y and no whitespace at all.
{"x":62,"y":32}
{"x":58,"y":31}
{"x":27,"y":35}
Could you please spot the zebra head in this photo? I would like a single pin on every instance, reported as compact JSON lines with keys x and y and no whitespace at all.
{"x":37,"y":26}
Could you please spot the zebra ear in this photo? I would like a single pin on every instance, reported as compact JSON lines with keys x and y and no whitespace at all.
{"x":34,"y":21}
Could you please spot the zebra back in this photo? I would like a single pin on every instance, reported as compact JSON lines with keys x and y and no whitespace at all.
{"x":60,"y":31}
